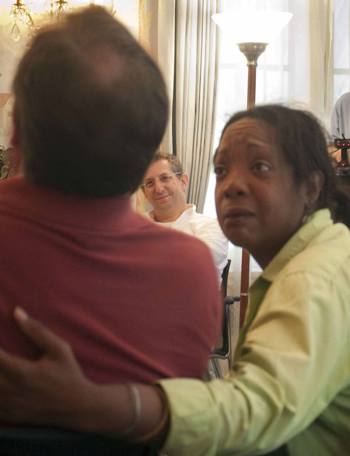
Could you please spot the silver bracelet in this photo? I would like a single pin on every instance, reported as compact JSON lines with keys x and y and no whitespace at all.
{"x":134,"y":392}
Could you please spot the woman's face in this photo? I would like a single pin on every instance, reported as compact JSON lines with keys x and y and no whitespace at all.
{"x":258,"y":204}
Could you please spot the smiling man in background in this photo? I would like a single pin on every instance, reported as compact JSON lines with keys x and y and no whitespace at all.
{"x":164,"y":186}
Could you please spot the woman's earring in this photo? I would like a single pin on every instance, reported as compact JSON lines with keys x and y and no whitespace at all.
{"x":307,"y":217}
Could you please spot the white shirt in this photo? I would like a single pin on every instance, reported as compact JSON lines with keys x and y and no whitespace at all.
{"x":205,"y":228}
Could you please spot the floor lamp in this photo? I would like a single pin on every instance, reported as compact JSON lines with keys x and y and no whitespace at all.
{"x":252,"y":31}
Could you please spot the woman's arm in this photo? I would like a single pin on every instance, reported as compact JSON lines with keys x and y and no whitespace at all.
{"x":53,"y":391}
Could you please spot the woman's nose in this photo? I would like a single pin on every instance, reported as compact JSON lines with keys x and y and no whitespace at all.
{"x":235,"y":184}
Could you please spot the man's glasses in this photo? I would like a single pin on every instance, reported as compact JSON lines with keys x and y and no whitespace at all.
{"x":164,"y":178}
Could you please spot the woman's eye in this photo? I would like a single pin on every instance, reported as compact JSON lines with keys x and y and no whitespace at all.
{"x":261,"y":167}
{"x":219,"y":171}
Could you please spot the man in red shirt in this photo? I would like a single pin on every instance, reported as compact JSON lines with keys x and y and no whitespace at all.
{"x":136,"y":301}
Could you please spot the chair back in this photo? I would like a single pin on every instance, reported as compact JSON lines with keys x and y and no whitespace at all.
{"x":224,"y":278}
{"x":223,"y":347}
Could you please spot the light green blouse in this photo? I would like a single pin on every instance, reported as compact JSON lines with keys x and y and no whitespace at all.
{"x":291,"y":378}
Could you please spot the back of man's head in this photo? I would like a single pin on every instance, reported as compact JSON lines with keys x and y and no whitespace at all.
{"x":90,"y":107}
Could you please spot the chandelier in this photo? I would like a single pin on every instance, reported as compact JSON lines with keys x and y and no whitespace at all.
{"x":26,"y":21}
{"x":59,"y":8}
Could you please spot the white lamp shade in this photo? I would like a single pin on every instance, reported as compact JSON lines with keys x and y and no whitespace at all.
{"x":252,"y":26}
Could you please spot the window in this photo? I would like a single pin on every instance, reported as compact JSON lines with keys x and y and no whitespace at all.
{"x":341,"y":80}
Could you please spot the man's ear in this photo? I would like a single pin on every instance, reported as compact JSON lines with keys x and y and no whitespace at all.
{"x":314,"y":184}
{"x":184,"y":181}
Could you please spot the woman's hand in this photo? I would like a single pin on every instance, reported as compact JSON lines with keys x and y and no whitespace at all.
{"x":53,"y":391}
{"x":41,"y":392}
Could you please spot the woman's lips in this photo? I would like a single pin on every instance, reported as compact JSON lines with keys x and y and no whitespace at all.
{"x":238,"y":212}
{"x":238,"y":215}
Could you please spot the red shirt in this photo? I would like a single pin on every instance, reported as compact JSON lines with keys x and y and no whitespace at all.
{"x":136,"y":301}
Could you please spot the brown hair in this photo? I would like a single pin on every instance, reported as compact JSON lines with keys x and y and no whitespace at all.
{"x":174,"y":162}
{"x":91,"y":107}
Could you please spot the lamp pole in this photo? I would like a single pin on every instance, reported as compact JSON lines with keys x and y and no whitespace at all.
{"x":252,"y":31}
{"x":252,"y":51}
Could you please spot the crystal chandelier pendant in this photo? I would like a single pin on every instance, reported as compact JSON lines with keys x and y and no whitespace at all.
{"x":15,"y":32}
{"x":21,"y":14}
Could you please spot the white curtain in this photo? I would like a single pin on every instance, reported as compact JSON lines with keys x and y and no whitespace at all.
{"x":321,"y":56}
{"x":187,"y":55}
{"x":166,"y":59}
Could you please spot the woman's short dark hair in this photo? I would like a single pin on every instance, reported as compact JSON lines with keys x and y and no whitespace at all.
{"x":91,"y":107}
{"x":302,"y":140}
